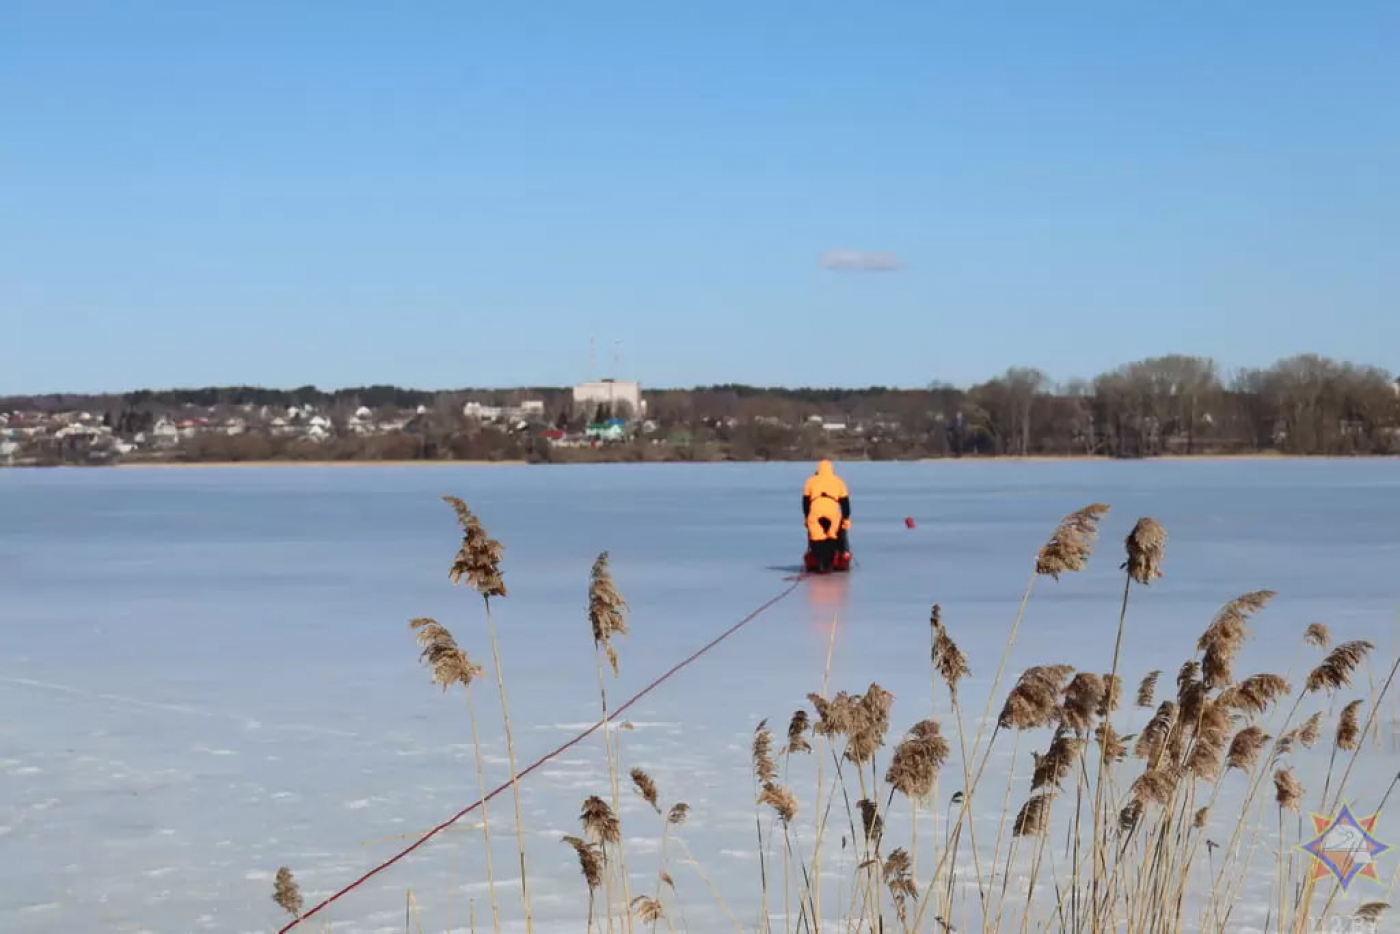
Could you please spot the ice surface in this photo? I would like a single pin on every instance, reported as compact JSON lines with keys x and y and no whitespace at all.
{"x":208,"y":673}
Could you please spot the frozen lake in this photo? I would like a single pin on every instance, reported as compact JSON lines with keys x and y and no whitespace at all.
{"x":208,"y":673}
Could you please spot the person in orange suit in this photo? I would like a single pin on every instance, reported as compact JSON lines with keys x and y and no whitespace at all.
{"x":824,"y":484}
{"x":824,"y":532}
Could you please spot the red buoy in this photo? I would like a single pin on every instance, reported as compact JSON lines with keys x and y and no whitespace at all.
{"x":908,"y":522}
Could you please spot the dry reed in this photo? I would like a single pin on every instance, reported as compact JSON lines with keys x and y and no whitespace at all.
{"x":478,"y":561}
{"x":287,"y":893}
{"x":1337,"y":668}
{"x":1317,"y":634}
{"x":1136,"y":868}
{"x":1147,"y":688}
{"x":948,"y":659}
{"x":1348,"y":730}
{"x":1072,"y":543}
{"x":646,"y":788}
{"x":607,"y":618}
{"x":605,"y":609}
{"x":451,"y":666}
{"x":1145,"y":544}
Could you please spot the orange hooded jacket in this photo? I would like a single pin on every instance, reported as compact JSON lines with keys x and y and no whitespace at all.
{"x":825,"y":484}
{"x":823,"y":520}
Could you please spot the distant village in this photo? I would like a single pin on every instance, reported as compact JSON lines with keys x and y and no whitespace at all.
{"x":1305,"y":405}
{"x":597,"y":413}
{"x":592,"y":419}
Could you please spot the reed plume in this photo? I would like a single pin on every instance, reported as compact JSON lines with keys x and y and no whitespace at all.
{"x":590,"y":861}
{"x":1212,"y":736}
{"x":479,"y":558}
{"x":948,"y":659}
{"x":1336,"y":669}
{"x":1146,"y":545}
{"x":1317,"y":634}
{"x":1072,"y":543}
{"x":1084,"y":699}
{"x":898,"y":872}
{"x":1307,"y":734}
{"x":648,"y":909}
{"x":1152,"y":740}
{"x":1245,"y":748}
{"x":1288,"y":791}
{"x":1112,"y":695}
{"x":1112,"y":746}
{"x":287,"y":893}
{"x":1155,"y":786}
{"x":765,"y":770}
{"x":677,"y":815}
{"x":868,"y":720}
{"x":1033,"y":819}
{"x":1129,"y":816}
{"x":1223,"y":639}
{"x":870,"y":820}
{"x":1186,"y":678}
{"x":1147,"y":688}
{"x":781,"y":800}
{"x":833,"y":716}
{"x":605,"y":609}
{"x":1199,"y":820}
{"x":1058,"y":761}
{"x":1031,"y":703}
{"x":449,"y":663}
{"x":1348,"y":727}
{"x":1254,"y":694}
{"x":599,"y":822}
{"x":916,"y":761}
{"x":646,"y":788}
{"x":797,"y":730}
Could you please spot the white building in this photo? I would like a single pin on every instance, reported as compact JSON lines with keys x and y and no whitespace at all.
{"x":612,"y":393}
{"x":482,"y":413}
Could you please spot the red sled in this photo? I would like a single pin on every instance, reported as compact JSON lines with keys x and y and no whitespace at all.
{"x":840,"y":563}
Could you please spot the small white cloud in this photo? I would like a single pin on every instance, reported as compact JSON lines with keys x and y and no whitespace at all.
{"x":860,"y":261}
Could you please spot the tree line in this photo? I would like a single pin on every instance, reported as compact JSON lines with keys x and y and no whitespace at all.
{"x":1176,"y":404}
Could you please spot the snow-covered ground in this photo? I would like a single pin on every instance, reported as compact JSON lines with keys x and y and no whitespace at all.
{"x":208,"y":673}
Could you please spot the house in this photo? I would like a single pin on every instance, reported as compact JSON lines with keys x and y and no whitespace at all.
{"x":614,"y":429}
{"x":482,"y":413}
{"x":611,"y":393}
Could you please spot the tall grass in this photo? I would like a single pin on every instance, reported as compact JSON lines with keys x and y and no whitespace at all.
{"x":1104,"y":832}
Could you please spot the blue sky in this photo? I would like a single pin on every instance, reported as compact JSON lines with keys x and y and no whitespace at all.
{"x":449,"y":194}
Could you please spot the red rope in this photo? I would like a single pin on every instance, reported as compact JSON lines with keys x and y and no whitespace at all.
{"x":549,"y":755}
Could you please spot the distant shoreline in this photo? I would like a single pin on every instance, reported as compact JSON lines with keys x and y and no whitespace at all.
{"x":155,"y":465}
{"x":978,"y":459}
